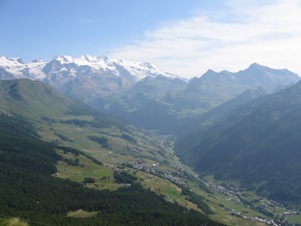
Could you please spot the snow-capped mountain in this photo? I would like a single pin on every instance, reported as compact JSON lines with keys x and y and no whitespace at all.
{"x":253,"y":77}
{"x":97,"y":65}
{"x":87,"y":76}
{"x":17,"y":69}
{"x":136,"y":69}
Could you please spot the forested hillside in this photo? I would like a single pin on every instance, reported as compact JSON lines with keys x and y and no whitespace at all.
{"x":31,"y":193}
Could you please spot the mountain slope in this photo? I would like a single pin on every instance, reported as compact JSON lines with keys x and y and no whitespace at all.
{"x":261,"y":148}
{"x":215,"y":88}
{"x":32,"y":98}
{"x":201,"y":130}
{"x":205,"y":120}
{"x":38,"y":101}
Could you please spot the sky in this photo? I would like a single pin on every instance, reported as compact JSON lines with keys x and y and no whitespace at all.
{"x":182,"y":37}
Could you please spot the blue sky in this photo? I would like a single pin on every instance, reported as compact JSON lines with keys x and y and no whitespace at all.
{"x":184,"y":37}
{"x":48,"y":28}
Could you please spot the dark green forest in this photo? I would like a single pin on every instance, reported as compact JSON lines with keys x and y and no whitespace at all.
{"x":28,"y":190}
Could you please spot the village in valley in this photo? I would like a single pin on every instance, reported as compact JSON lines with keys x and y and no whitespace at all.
{"x":237,"y":193}
{"x":143,"y":165}
{"x":231,"y":192}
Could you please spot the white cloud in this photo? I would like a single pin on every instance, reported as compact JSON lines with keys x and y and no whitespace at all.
{"x":268,"y":32}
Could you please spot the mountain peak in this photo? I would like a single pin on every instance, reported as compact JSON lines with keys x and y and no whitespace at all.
{"x":209,"y":73}
{"x":258,"y":67}
{"x":10,"y":60}
{"x":87,"y":58}
{"x":63,"y":59}
{"x":19,"y":60}
{"x":38,"y":60}
{"x":92,"y":59}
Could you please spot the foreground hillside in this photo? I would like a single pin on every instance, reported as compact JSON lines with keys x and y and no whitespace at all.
{"x":31,"y":193}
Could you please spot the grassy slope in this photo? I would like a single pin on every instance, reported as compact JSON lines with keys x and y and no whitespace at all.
{"x":32,"y":99}
{"x":12,"y":222}
{"x":81,"y":214}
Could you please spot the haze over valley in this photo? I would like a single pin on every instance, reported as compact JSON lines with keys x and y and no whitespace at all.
{"x":150,"y":113}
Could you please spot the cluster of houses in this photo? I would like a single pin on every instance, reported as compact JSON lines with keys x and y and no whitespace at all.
{"x":143,"y":165}
{"x":234,"y":192}
{"x":228,"y":190}
{"x":251,"y":218}
{"x":282,"y":221}
{"x":269,"y":203}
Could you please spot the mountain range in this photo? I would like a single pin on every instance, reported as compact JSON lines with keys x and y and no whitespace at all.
{"x":141,"y":93}
{"x":136,"y":91}
{"x":84,"y":78}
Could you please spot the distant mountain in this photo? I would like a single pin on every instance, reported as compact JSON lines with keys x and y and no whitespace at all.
{"x":258,"y":144}
{"x":164,"y":103}
{"x":215,"y":88}
{"x":15,"y":68}
{"x":82,"y":78}
{"x":149,"y":104}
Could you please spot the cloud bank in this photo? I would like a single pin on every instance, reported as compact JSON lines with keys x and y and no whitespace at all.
{"x":266,"y":32}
